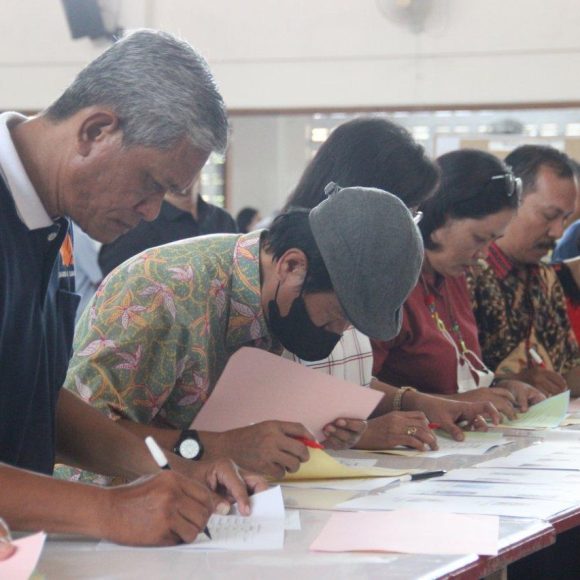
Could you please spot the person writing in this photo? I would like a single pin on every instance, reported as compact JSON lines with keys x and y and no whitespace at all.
{"x":438,"y":350}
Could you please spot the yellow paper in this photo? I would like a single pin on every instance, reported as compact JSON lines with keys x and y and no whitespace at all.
{"x":315,"y":499}
{"x":545,"y":415}
{"x":323,"y":466}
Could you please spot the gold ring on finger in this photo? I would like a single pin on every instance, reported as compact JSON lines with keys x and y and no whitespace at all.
{"x":411,"y":430}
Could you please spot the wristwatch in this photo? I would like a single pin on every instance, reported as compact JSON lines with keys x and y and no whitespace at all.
{"x":189,"y":445}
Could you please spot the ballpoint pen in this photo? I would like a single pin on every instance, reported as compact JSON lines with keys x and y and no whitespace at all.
{"x":424,"y":475}
{"x":537,"y":358}
{"x":310,"y":443}
{"x":161,"y":460}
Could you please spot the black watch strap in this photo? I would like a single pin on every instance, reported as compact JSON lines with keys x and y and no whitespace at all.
{"x":189,"y":445}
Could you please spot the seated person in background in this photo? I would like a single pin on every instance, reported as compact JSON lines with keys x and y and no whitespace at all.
{"x":519,"y":302}
{"x":88,"y":274}
{"x":437,"y":350}
{"x":377,"y":153}
{"x":247,"y":219}
{"x":568,"y":246}
{"x":183,"y":215}
{"x":153,"y":343}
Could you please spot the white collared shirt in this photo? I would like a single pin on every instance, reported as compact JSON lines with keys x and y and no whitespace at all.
{"x":28,"y":205}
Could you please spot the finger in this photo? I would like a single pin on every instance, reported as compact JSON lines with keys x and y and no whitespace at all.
{"x":488,"y":410}
{"x":413,"y":442}
{"x":295,"y":430}
{"x":294,"y":447}
{"x":536,"y":396}
{"x":254,"y":482}
{"x":454,"y":430}
{"x":288,"y":462}
{"x":501,"y":392}
{"x":522,"y":399}
{"x":548,"y":388}
{"x":190,"y":520}
{"x":557,"y":379}
{"x":227,"y":476}
{"x":506,"y":409}
{"x":356,"y":426}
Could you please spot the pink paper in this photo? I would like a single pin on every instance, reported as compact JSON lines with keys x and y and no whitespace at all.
{"x":408,"y":531}
{"x":259,"y":386}
{"x":22,"y":563}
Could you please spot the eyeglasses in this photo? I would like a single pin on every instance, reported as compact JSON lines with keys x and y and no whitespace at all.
{"x":417,"y":216}
{"x":7,"y":548}
{"x":507,"y":184}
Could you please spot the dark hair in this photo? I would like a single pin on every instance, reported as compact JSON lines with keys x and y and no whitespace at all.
{"x":464,"y":191}
{"x":527,"y":160}
{"x":368,"y":152}
{"x":292,"y":230}
{"x":244,"y":217}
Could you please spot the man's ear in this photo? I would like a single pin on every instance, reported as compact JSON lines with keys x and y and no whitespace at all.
{"x":95,"y":128}
{"x":292,"y":267}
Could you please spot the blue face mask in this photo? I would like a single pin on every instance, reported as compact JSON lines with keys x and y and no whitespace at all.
{"x":297,"y":333}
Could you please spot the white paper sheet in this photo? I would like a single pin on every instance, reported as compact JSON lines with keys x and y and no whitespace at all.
{"x":263,"y":529}
{"x":475,"y":443}
{"x":547,"y":455}
{"x":514,"y":507}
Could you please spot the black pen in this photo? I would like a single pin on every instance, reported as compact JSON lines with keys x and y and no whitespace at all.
{"x":161,"y":460}
{"x":424,"y":475}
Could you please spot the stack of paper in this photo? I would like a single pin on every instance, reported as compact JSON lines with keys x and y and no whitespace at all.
{"x":544,"y":415}
{"x":323,"y":466}
{"x":410,"y":532}
{"x":258,"y":386}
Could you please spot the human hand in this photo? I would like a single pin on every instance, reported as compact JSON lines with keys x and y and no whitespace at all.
{"x":343,"y":433}
{"x":270,"y":448}
{"x":224,"y":477}
{"x":501,"y":399}
{"x":548,"y":382}
{"x":408,"y":428}
{"x":447,"y":413}
{"x":156,"y":510}
{"x":525,"y":395}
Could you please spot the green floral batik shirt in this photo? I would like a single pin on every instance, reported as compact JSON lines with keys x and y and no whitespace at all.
{"x":161,"y":328}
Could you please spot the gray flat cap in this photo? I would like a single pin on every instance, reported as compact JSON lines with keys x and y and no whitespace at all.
{"x":373,"y":252}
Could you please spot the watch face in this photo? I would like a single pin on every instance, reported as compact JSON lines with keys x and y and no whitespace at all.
{"x":189,"y":448}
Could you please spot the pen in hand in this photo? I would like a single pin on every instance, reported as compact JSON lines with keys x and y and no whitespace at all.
{"x":537,"y":358}
{"x":161,"y":460}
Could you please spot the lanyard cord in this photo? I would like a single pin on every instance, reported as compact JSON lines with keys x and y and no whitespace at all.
{"x":431,"y":305}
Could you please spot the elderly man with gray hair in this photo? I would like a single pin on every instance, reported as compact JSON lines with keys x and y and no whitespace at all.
{"x":137,"y":122}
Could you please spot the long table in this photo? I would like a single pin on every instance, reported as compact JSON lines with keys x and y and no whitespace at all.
{"x":66,"y":557}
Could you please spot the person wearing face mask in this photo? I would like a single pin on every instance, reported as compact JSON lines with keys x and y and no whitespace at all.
{"x":151,"y":346}
{"x":374,"y":152}
{"x":437,"y":350}
{"x":519,"y":303}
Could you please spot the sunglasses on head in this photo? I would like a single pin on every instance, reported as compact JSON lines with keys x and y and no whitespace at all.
{"x":505,"y":184}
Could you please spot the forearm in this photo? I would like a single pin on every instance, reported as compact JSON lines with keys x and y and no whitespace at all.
{"x":29,"y":501}
{"x":89,"y":440}
{"x":386,"y":403}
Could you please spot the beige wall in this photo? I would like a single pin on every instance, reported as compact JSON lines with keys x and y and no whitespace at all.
{"x":322,"y":53}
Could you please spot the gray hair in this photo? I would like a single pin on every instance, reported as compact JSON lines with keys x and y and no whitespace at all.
{"x":161,"y":89}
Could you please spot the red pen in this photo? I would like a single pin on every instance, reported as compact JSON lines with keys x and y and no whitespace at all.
{"x":434,"y":426}
{"x":310,"y":443}
{"x":537,"y":358}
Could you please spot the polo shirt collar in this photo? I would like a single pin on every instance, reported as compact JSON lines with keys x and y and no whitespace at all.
{"x":28,"y":205}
